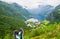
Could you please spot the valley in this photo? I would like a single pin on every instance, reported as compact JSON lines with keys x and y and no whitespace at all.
{"x":39,"y":23}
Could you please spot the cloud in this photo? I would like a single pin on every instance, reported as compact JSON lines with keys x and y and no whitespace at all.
{"x":34,"y":3}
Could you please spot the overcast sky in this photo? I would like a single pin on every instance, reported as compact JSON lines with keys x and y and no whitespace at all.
{"x":34,"y":3}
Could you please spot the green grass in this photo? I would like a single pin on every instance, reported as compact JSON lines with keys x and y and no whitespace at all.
{"x":51,"y":31}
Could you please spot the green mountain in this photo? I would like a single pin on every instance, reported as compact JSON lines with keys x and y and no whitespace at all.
{"x":11,"y":18}
{"x":14,"y":10}
{"x":54,"y":16}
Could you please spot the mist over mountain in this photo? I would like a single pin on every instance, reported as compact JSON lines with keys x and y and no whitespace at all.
{"x":40,"y":8}
{"x":41,"y":12}
{"x":20,"y":12}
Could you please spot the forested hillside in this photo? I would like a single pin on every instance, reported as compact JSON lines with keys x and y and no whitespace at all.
{"x":14,"y":11}
{"x":8,"y":25}
{"x":11,"y":18}
{"x":54,"y":16}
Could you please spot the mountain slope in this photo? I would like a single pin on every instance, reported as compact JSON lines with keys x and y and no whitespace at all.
{"x":8,"y":25}
{"x":12,"y":10}
{"x":41,"y":12}
{"x":11,"y":19}
{"x":54,"y":16}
